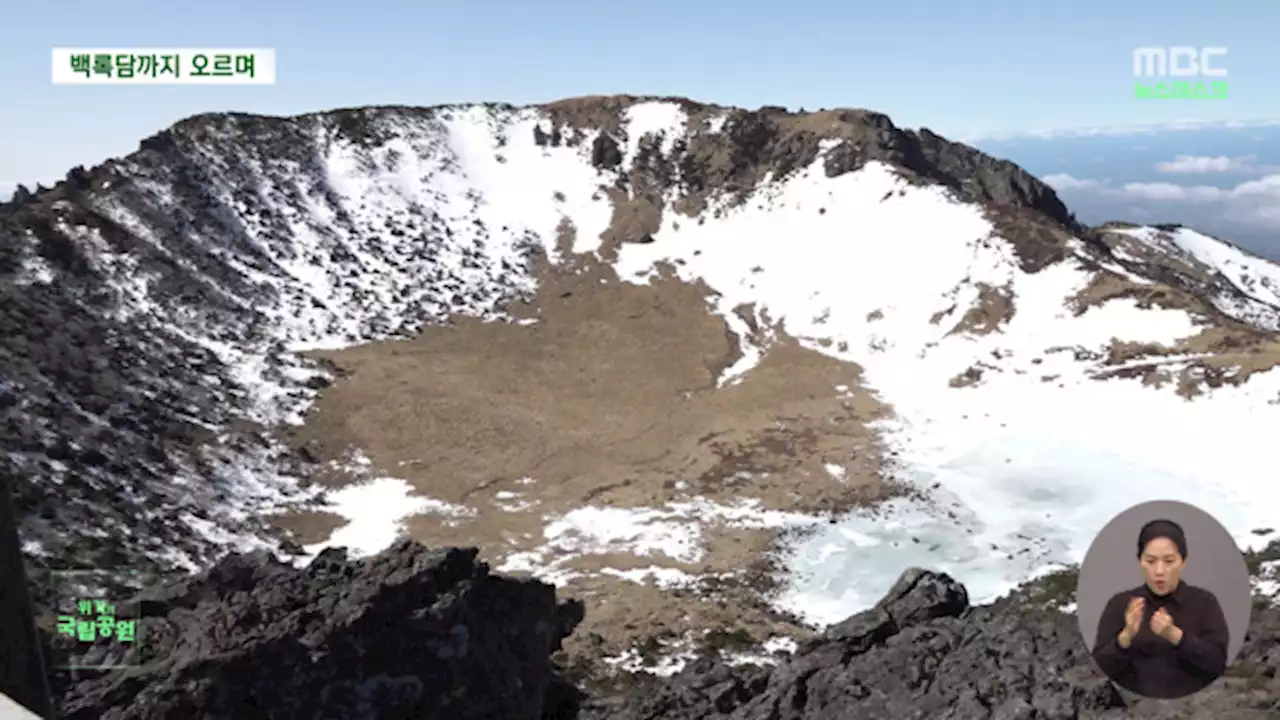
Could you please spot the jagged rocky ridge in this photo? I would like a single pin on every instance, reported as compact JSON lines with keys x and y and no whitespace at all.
{"x":419,"y":633}
{"x":924,"y":652}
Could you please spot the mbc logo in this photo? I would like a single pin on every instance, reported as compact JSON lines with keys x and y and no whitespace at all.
{"x":1179,"y":62}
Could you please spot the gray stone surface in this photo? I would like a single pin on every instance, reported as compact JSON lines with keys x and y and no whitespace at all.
{"x":923,"y":652}
{"x":410,"y":633}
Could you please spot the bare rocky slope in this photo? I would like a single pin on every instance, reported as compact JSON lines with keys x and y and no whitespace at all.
{"x":159,"y":315}
{"x":924,"y":652}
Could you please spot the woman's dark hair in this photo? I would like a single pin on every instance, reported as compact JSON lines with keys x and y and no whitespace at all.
{"x":1163,"y":529}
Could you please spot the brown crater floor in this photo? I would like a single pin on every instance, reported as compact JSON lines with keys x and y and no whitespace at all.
{"x":609,"y":399}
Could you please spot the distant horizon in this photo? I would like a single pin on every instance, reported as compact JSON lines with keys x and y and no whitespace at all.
{"x":8,"y":185}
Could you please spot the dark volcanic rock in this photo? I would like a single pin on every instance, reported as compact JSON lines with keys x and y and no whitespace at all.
{"x":135,"y":441}
{"x":923,"y":652}
{"x":419,"y":633}
{"x":410,"y":633}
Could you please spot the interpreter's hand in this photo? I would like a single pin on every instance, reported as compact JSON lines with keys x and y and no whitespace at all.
{"x":1162,"y":625}
{"x":1133,"y":615}
{"x":1132,"y":621}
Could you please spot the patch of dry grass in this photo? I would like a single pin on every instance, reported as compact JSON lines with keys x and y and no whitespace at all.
{"x":1106,"y":286}
{"x":609,"y":399}
{"x":995,"y":307}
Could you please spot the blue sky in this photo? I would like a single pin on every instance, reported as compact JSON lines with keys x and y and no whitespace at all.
{"x":960,"y":68}
{"x":1222,"y":180}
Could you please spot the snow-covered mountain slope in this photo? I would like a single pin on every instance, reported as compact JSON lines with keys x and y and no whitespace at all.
{"x":1042,"y":375}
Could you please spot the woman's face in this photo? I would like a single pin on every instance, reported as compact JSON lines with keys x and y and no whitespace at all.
{"x":1162,"y":565}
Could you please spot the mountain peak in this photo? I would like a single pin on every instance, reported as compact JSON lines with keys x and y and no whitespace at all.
{"x":741,"y":146}
{"x":529,"y":328}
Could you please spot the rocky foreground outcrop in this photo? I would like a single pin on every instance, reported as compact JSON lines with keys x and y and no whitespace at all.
{"x":424,"y":633}
{"x":410,"y":633}
{"x":924,"y":652}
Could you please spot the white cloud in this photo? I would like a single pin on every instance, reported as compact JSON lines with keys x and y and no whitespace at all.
{"x":1264,"y":191}
{"x":1123,"y":129}
{"x":1186,"y":164}
{"x":1170,"y":191}
{"x":1062,"y":181}
{"x":1255,"y":203}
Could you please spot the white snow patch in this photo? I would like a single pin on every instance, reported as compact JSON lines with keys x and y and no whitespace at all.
{"x":31,"y":548}
{"x":780,"y":643}
{"x":667,"y":661}
{"x":1267,"y":583}
{"x":1027,"y":470}
{"x":1253,"y":276}
{"x":35,"y":271}
{"x":514,"y":502}
{"x":663,"y":577}
{"x":674,"y":654}
{"x":640,"y":531}
{"x":1257,"y":279}
{"x":375,"y":511}
{"x":674,"y":532}
{"x":516,"y":193}
{"x":659,"y":118}
{"x":768,"y":654}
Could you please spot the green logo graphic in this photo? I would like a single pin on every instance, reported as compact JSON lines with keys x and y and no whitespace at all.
{"x":96,"y":618}
{"x":1179,"y":72}
{"x":91,"y":631}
